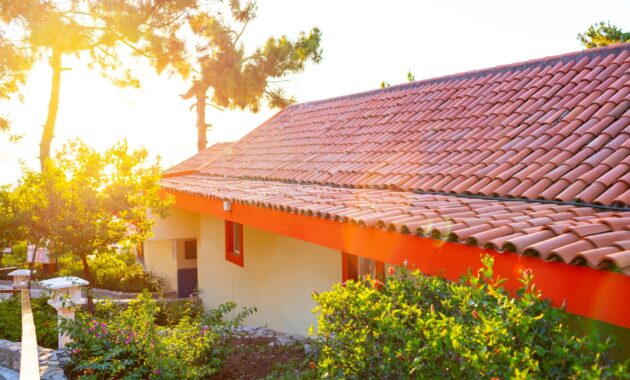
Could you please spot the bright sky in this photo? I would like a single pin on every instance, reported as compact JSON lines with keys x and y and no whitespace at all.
{"x":364,"y":43}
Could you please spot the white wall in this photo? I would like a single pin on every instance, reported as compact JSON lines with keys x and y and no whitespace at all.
{"x":278,"y":277}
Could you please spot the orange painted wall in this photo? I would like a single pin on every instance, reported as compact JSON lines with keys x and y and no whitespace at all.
{"x":587,"y":292}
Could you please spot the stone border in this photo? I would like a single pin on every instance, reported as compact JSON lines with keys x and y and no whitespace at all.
{"x":49,"y":360}
{"x":103,"y":293}
{"x":114,"y":294}
{"x":277,"y":338}
{"x":9,"y":283}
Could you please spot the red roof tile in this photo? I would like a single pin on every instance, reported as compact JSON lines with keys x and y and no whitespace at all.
{"x":461,"y":132}
{"x":198,"y":160}
{"x":405,"y":158}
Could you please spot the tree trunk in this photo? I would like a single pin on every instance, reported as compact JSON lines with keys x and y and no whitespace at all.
{"x":88,"y":276}
{"x":53,"y":106}
{"x":202,"y":127}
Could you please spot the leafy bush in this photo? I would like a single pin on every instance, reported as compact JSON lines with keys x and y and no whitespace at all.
{"x":116,"y":270}
{"x":15,"y":258}
{"x":171,"y":313}
{"x":128,"y":343}
{"x":417,"y":326}
{"x":44,"y":315}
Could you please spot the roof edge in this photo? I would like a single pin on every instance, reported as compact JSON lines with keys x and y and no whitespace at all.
{"x":554,"y":59}
{"x":474,"y":196}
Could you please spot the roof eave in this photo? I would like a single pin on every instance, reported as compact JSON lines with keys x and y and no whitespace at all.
{"x":587,"y":292}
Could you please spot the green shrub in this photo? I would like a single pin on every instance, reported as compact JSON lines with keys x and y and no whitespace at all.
{"x":418,"y":326}
{"x":15,"y":258}
{"x":117,"y":270}
{"x":126,"y":342}
{"x":44,"y":315}
{"x":171,"y":313}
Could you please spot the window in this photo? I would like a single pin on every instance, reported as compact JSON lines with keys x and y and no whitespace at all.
{"x":190,"y":250}
{"x":353,"y":267}
{"x":234,"y":251}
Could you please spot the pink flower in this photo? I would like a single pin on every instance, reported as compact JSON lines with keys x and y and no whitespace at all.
{"x":391,"y":271}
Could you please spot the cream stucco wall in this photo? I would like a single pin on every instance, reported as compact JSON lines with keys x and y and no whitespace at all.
{"x":159,"y":259}
{"x":182,"y":262}
{"x":160,"y":256}
{"x":181,"y":224}
{"x":278,"y":276}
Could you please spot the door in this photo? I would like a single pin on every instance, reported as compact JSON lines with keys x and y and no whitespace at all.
{"x":186,"y":282}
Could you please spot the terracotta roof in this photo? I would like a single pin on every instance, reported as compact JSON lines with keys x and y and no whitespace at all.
{"x":556,"y":129}
{"x":580,"y":235}
{"x":548,"y":141}
{"x":198,"y":160}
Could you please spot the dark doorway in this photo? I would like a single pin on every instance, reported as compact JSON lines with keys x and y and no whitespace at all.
{"x":186,"y":282}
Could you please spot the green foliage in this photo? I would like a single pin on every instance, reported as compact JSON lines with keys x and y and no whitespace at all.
{"x":88,"y":203}
{"x":128,"y":343}
{"x":417,"y":326}
{"x":171,"y":313}
{"x":242,"y":79}
{"x":7,"y":218}
{"x":15,"y":259}
{"x":410,"y":78}
{"x":44,"y":315}
{"x":602,"y":34}
{"x":15,"y":63}
{"x":115,"y":270}
{"x":295,"y":369}
{"x":106,"y":31}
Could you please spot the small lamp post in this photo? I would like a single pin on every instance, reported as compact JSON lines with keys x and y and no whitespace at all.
{"x":20,"y":278}
{"x":65,"y":297}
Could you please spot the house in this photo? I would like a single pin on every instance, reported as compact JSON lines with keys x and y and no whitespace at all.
{"x":528,"y":162}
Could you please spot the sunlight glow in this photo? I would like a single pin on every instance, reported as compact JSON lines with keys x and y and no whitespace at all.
{"x":364,"y":43}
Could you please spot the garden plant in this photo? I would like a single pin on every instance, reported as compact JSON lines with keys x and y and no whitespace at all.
{"x":44,"y":316}
{"x":127,"y":342}
{"x":414,"y":326}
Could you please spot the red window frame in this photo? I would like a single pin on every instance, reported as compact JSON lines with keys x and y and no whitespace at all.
{"x":235,"y":256}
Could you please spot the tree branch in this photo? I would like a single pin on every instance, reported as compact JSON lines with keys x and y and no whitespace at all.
{"x":238,"y":36}
{"x":194,"y":105}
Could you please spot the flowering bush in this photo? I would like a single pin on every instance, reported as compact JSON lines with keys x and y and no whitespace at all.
{"x":128,"y":343}
{"x":417,"y":326}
